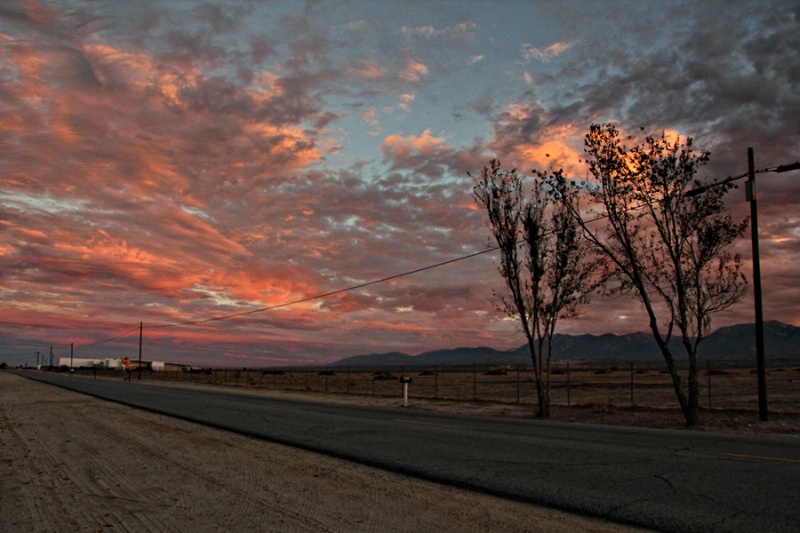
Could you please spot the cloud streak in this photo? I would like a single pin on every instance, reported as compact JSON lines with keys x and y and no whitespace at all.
{"x":174,"y":162}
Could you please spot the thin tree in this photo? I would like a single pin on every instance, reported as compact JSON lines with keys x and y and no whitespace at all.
{"x":543,"y":261}
{"x":667,"y":247}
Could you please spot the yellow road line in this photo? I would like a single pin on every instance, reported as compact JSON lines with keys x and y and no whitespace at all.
{"x":744,"y":456}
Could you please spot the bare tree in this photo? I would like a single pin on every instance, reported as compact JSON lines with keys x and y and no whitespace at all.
{"x":668,"y":247}
{"x":543,"y":260}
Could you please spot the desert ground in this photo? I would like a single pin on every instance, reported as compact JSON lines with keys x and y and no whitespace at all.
{"x":69,"y":462}
{"x":72,"y":463}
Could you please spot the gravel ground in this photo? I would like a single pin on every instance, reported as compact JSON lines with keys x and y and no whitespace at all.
{"x":72,"y":463}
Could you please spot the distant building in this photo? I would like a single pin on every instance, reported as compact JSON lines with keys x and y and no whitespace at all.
{"x":80,"y":362}
{"x":174,"y":367}
{"x":111,"y":363}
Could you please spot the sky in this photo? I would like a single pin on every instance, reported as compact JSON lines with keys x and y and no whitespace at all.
{"x":173,"y":163}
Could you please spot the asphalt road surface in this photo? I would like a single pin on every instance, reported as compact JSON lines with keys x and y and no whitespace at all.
{"x":658,"y":479}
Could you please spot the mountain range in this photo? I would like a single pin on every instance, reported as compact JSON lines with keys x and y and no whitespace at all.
{"x":728,"y":345}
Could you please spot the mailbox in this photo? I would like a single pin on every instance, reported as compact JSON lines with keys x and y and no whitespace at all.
{"x":405,"y":379}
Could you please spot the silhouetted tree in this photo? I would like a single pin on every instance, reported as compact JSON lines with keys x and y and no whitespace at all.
{"x":668,"y":247}
{"x":543,"y":260}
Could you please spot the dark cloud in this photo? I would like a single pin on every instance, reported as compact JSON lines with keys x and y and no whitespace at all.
{"x":172,"y":161}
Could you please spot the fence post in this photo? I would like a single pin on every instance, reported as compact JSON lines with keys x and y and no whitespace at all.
{"x":708,"y":374}
{"x":631,"y":383}
{"x":347,"y":386}
{"x":474,"y":382}
{"x":568,"y":404}
{"x":436,"y":383}
{"x":517,"y":383}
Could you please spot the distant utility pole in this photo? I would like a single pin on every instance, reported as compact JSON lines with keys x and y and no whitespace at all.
{"x":71,"y":350}
{"x":140,"y":352}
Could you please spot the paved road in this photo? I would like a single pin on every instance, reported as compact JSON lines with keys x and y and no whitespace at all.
{"x":664,"y":480}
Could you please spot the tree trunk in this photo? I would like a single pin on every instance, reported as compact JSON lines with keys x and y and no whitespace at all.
{"x":688,"y":409}
{"x":692,"y":414}
{"x":543,"y":409}
{"x":689,"y":406}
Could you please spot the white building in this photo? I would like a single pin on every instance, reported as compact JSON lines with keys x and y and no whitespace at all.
{"x":80,"y":362}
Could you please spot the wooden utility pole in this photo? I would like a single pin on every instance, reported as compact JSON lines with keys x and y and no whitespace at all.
{"x":140,"y":352}
{"x":750,"y":189}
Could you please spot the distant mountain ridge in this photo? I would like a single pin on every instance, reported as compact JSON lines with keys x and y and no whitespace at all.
{"x":733,"y":344}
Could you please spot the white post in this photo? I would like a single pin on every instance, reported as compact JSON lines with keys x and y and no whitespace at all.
{"x":405,"y":380}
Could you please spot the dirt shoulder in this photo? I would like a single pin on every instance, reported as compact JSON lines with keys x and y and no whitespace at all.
{"x":73,"y":463}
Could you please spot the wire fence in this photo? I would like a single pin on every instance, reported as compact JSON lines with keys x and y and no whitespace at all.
{"x":620,"y":385}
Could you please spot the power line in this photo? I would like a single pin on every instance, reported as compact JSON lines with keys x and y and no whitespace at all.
{"x":327,"y":294}
{"x":111,"y":339}
{"x":343,"y":290}
{"x":281,"y":305}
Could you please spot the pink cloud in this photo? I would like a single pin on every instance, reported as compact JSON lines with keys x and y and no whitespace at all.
{"x":412,"y":72}
{"x":367,"y":69}
{"x":544,"y":54}
{"x":165,"y":162}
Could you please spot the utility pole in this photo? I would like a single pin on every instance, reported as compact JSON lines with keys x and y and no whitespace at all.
{"x":71,"y":351}
{"x":759,"y":308}
{"x":750,"y":189}
{"x":140,"y":352}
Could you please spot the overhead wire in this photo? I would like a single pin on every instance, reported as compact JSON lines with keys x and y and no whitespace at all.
{"x":328,"y":294}
{"x":334,"y":292}
{"x":284,"y":304}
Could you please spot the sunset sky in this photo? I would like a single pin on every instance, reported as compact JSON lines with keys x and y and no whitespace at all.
{"x":167,"y":162}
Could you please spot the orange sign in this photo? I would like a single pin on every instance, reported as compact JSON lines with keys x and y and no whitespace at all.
{"x":126,"y":361}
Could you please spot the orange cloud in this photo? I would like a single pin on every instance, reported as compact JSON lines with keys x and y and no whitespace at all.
{"x":402,"y":147}
{"x":554,"y":147}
